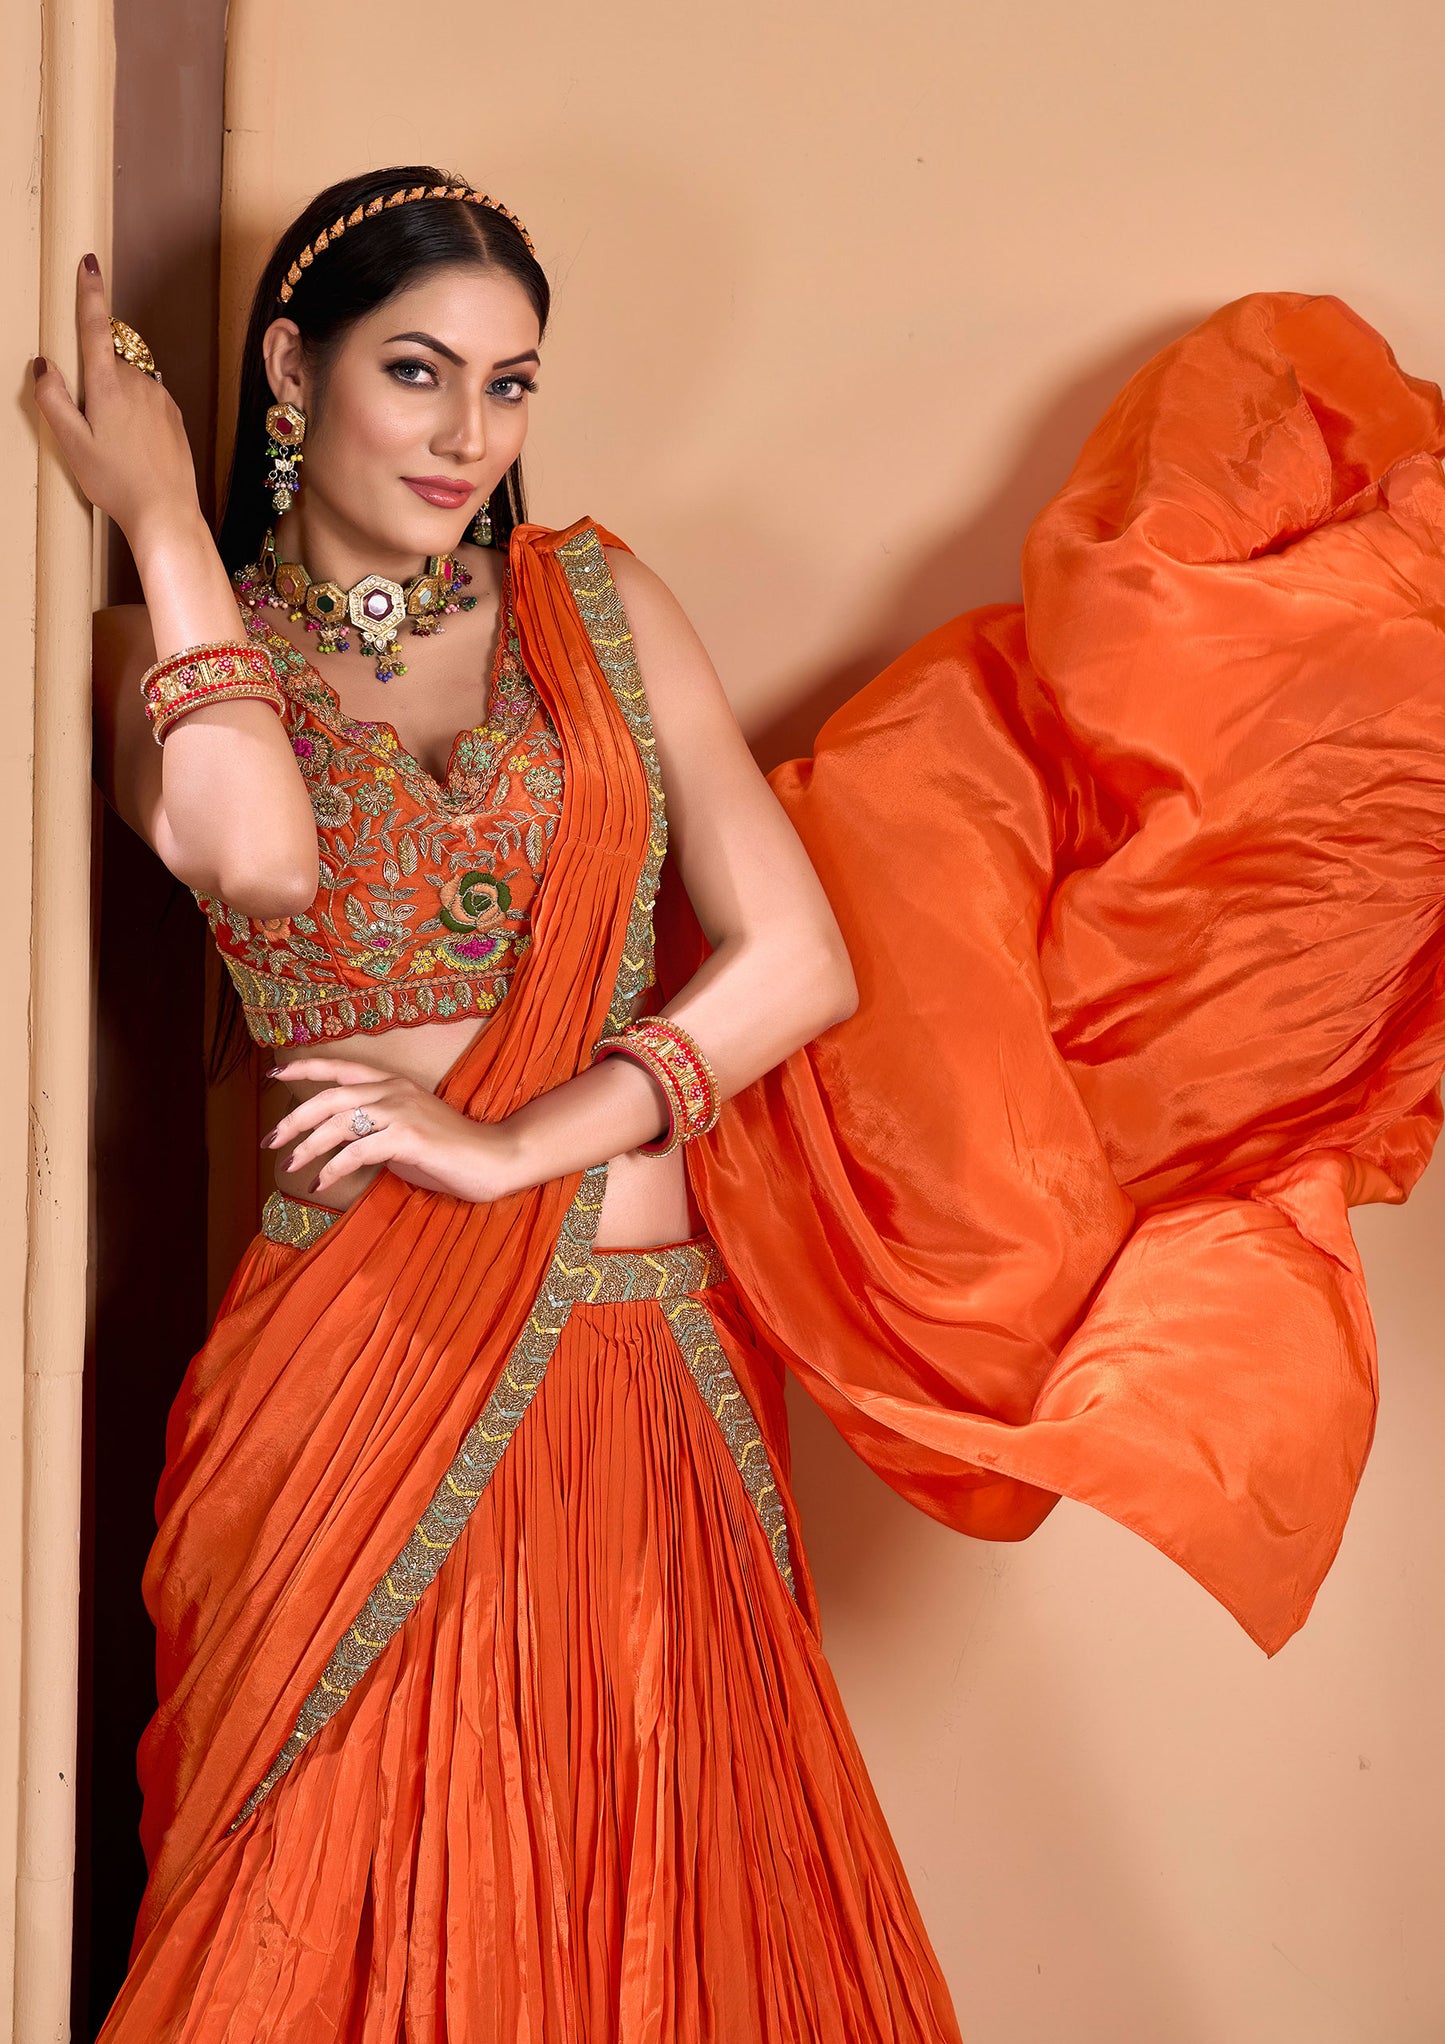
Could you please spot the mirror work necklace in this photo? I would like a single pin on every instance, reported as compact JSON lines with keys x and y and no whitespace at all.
{"x":375,"y":607}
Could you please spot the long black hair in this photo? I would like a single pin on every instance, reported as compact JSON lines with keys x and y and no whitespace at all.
{"x":349,"y":279}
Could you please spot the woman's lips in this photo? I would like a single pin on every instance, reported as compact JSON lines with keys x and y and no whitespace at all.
{"x":446,"y":496}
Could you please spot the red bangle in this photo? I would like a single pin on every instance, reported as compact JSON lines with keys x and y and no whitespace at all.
{"x":226,"y":671}
{"x":673,"y":1058}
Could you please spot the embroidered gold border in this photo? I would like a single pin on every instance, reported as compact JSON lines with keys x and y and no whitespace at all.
{"x":294,"y":1223}
{"x":694,"y":1332}
{"x":274,"y":1007}
{"x":572,"y":1276}
{"x":594,"y":592}
{"x":416,"y":1566}
{"x":612,"y":1276}
{"x":575,"y":1277}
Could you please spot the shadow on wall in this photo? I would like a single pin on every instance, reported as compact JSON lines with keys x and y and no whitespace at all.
{"x":979,"y":562}
{"x":150,"y":1225}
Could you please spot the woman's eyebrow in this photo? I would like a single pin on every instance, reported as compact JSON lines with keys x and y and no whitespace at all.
{"x":429,"y":341}
{"x":441,"y":348}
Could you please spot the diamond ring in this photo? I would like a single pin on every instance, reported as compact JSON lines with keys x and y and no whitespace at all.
{"x":362,"y":1123}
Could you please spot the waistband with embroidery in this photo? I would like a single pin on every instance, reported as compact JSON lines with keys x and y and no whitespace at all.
{"x":608,"y":1277}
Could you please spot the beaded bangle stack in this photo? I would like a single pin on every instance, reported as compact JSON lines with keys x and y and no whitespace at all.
{"x":227,"y":671}
{"x":666,"y":1051}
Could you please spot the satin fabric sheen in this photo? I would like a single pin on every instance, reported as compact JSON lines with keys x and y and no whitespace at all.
{"x":600,"y":1787}
{"x":1144,"y":883}
{"x":322,"y":1413}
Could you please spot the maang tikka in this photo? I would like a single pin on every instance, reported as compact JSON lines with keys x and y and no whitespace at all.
{"x":285,"y":430}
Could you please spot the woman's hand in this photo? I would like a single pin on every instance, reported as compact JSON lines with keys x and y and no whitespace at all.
{"x":128,"y":448}
{"x":416,"y":1135}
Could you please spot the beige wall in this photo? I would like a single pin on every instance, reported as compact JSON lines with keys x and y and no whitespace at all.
{"x":55,"y":93}
{"x":20,"y":262}
{"x":839,"y":291}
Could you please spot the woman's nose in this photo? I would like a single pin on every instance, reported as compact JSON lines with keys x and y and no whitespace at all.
{"x":464,"y":435}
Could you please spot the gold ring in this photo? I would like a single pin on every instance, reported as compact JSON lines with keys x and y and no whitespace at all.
{"x":131,"y":348}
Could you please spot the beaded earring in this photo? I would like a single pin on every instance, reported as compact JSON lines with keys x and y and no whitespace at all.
{"x":285,"y":430}
{"x":481,"y":527}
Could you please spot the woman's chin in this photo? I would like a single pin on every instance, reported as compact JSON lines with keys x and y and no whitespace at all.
{"x":430,"y":530}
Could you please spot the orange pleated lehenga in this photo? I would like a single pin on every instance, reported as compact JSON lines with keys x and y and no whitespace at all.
{"x":492,"y":1704}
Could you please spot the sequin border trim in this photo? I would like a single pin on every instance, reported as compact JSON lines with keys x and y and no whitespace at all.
{"x":572,"y":1268}
{"x":294,"y":1223}
{"x":600,"y":607}
{"x":576,"y":1276}
{"x":417,"y":1565}
{"x":694,"y":1332}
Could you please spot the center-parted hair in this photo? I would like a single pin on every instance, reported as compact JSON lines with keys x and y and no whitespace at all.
{"x":358,"y":271}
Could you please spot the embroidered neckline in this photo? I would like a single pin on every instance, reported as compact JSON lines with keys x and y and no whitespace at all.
{"x":476,"y":749}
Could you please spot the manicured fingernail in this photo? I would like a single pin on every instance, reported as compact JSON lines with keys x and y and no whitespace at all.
{"x":92,"y":265}
{"x":38,"y":367}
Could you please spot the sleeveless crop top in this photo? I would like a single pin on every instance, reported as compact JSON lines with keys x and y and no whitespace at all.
{"x":426,"y":888}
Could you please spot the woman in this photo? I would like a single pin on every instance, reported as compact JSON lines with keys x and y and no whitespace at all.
{"x":599,"y":1782}
{"x":1141,"y":883}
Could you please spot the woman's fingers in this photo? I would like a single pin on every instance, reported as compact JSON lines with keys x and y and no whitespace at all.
{"x":327,"y":1135}
{"x":61,"y":413}
{"x":321,"y":1107}
{"x":330,"y":1071}
{"x":355,"y":1156}
{"x":97,"y":350}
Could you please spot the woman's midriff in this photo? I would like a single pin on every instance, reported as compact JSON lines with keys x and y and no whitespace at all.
{"x":647,"y":1201}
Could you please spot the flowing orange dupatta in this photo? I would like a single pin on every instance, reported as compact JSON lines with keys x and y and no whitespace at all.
{"x":328,"y":1439}
{"x":1144,"y":882}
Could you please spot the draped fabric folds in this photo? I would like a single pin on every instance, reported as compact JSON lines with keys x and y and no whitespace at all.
{"x":597,"y":1783}
{"x":321,"y":1415}
{"x":1144,"y":882}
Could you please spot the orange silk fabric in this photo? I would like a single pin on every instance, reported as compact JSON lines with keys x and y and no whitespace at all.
{"x":325,"y":1408}
{"x":1144,"y":883}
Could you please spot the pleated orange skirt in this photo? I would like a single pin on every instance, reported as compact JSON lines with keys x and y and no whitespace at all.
{"x":599,"y":1790}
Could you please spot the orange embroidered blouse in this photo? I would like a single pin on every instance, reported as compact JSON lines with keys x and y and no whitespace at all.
{"x":425,"y":897}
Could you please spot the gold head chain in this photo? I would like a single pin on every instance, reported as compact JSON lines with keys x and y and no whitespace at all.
{"x":404,"y":197}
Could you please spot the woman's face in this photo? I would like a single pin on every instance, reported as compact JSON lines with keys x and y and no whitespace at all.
{"x":420,"y":414}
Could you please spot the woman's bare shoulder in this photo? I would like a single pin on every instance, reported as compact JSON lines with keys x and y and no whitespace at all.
{"x":651,"y":607}
{"x":632,"y":574}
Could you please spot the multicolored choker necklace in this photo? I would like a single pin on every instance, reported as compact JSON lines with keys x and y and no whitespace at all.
{"x":376,"y":606}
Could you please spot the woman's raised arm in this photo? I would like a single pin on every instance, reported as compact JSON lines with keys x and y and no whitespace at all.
{"x":222,"y":802}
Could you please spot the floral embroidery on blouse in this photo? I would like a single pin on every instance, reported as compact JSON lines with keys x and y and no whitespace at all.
{"x":424,"y":904}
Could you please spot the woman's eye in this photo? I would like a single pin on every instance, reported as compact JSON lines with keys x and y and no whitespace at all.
{"x":402,"y":370}
{"x":512,"y":389}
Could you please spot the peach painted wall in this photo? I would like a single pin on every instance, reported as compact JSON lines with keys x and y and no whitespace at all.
{"x":840,"y":290}
{"x":56,"y":88}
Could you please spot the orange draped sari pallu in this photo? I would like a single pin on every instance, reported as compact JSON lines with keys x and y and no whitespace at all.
{"x":491,"y":1704}
{"x":1144,"y":881}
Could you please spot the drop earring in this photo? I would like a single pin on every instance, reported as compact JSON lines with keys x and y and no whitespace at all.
{"x":481,"y":530}
{"x":285,"y":430}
